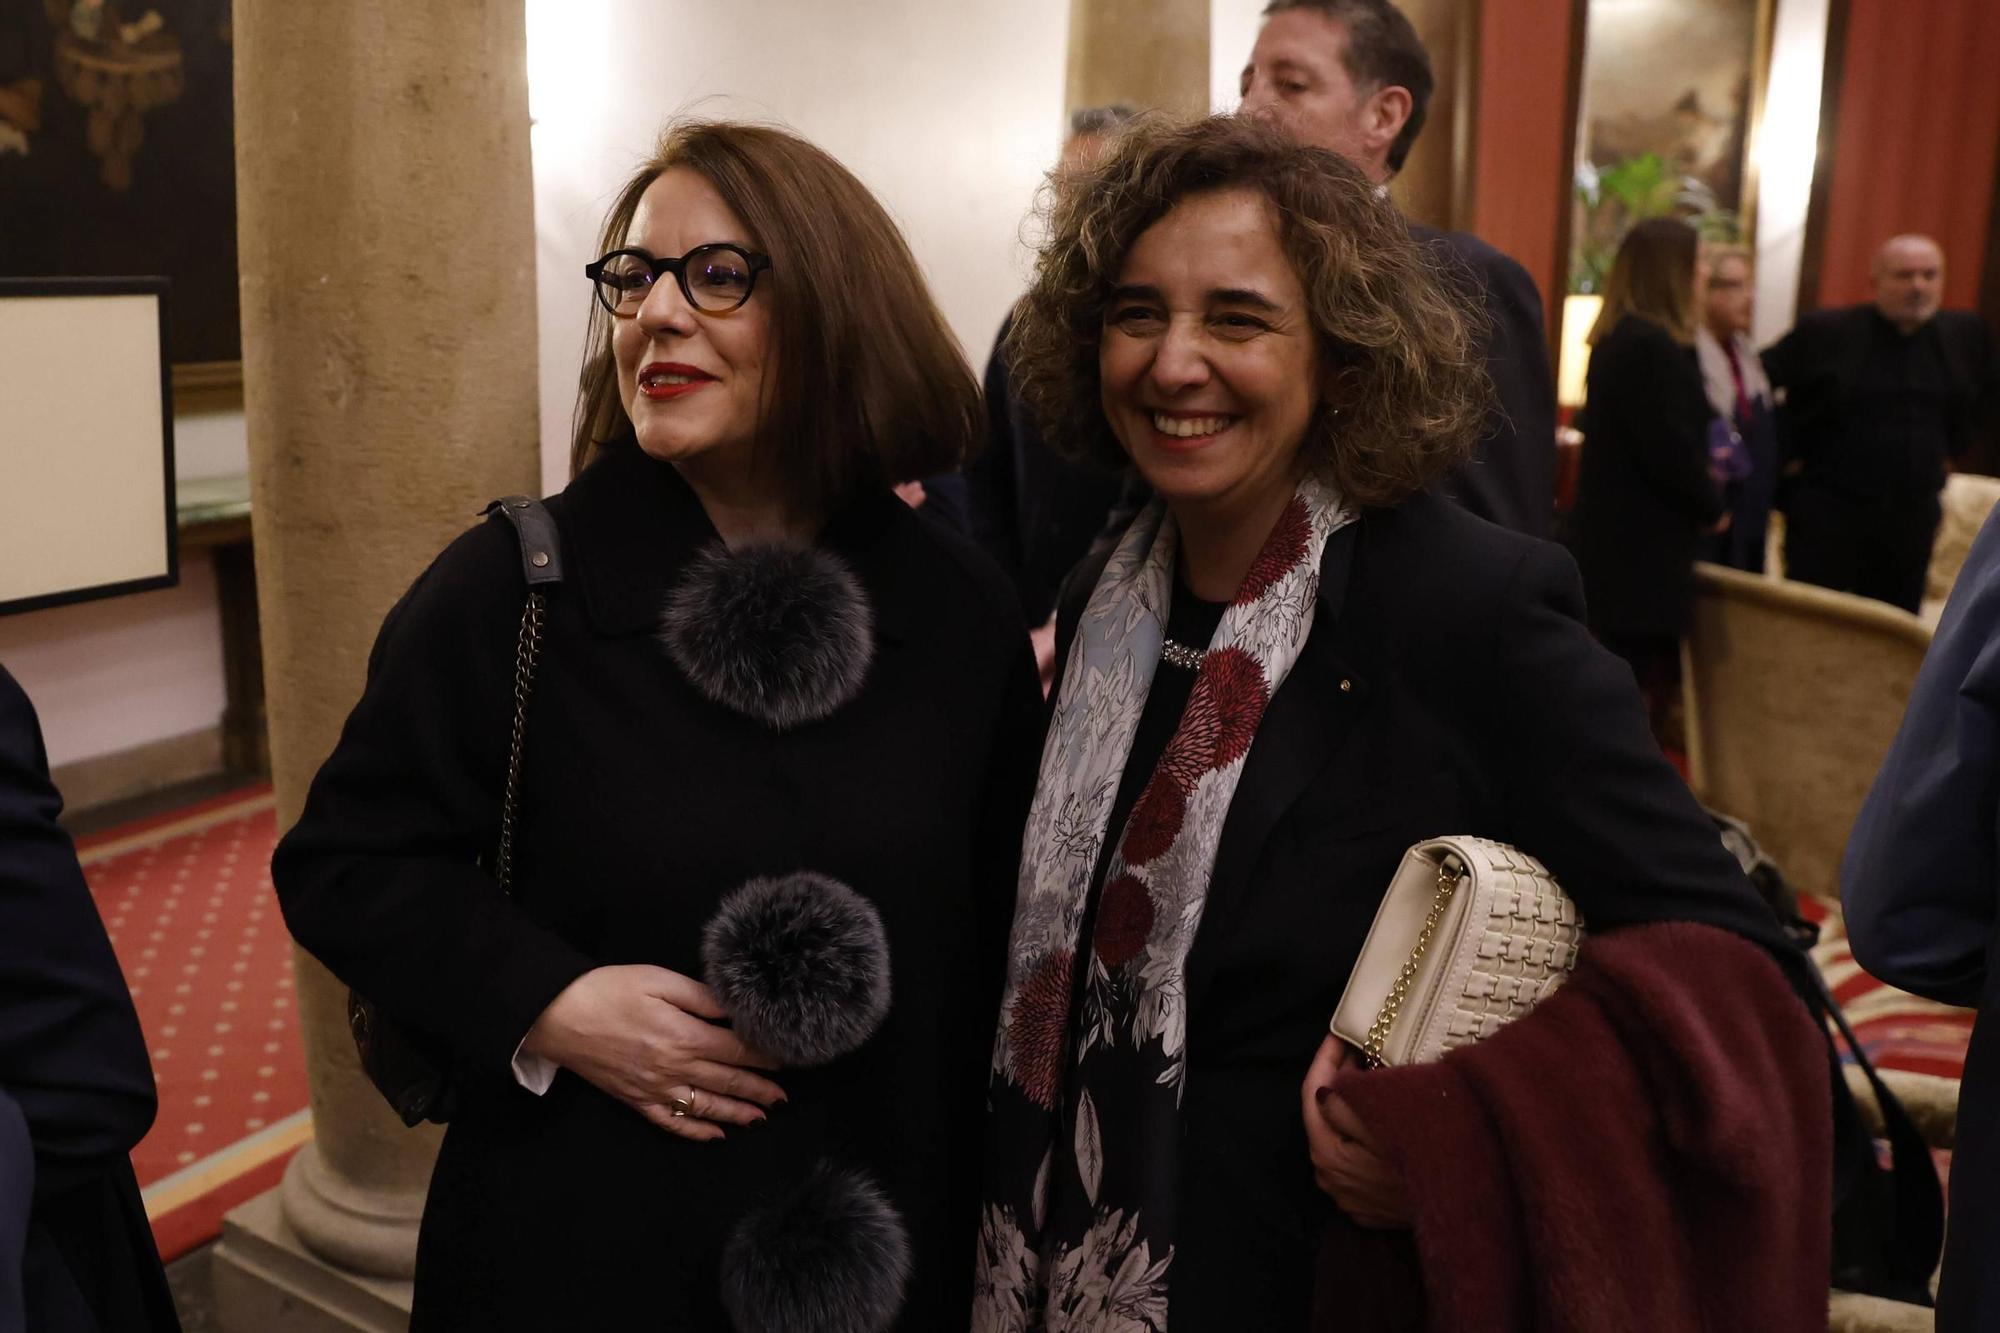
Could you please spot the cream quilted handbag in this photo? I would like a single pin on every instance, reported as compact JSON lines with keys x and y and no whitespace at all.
{"x":1470,"y":936}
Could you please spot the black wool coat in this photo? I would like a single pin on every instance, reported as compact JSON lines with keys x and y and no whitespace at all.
{"x":1511,"y":479}
{"x":1448,"y":686}
{"x":1644,"y":494}
{"x":76,"y":1089}
{"x":1820,"y":364}
{"x":643,"y":804}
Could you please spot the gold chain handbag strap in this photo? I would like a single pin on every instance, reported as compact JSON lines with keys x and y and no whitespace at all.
{"x":527,"y":654}
{"x":1450,"y":871}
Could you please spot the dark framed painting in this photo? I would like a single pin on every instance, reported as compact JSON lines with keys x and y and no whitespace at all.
{"x":1672,"y":91}
{"x":117,"y":157}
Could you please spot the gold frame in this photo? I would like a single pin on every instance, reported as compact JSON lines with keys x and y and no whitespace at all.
{"x":1760,"y":84}
{"x":208,"y":386}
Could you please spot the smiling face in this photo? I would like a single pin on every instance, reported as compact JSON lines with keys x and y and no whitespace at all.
{"x":1208,"y":367}
{"x":692,"y":382}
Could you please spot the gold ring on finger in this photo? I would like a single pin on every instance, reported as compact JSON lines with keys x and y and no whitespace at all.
{"x":679,"y":1107}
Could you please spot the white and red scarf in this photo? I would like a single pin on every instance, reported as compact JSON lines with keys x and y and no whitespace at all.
{"x":1090,"y":1063}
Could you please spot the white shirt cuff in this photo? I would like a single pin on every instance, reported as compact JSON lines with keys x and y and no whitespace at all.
{"x":533,"y":1072}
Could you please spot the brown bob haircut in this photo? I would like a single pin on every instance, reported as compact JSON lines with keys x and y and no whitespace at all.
{"x":868,"y":386}
{"x":1652,"y":276}
{"x":1404,"y":394}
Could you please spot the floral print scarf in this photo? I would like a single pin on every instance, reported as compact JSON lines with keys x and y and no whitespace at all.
{"x":1077,"y":1234}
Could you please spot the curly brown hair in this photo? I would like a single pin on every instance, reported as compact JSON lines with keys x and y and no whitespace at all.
{"x":1397,"y":347}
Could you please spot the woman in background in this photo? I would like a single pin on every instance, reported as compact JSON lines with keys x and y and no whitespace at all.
{"x":777,"y":758}
{"x":1744,"y":435}
{"x":1646,"y":495}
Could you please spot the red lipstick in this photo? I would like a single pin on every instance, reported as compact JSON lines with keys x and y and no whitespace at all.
{"x":661,"y":380}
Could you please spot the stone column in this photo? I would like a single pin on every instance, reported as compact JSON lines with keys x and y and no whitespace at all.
{"x":1150,"y":53}
{"x":386,"y":246}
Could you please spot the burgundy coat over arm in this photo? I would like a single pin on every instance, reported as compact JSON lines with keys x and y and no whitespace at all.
{"x":1650,"y":1148}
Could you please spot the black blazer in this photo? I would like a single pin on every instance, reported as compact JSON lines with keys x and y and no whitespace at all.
{"x":643,"y":804}
{"x":73,"y":1060}
{"x":1511,"y":480}
{"x":1818,"y":364}
{"x":1448,"y":686}
{"x":1035,"y":513}
{"x":1644,"y":494}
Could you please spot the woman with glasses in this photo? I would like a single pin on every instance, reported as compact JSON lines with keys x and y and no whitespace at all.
{"x":719,"y":1054}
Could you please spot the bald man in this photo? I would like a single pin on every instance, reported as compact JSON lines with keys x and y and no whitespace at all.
{"x":1880,"y":401}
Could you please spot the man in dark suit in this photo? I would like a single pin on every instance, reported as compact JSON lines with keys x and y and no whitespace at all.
{"x":1879,"y":401}
{"x":1920,"y":883}
{"x":73,"y":1062}
{"x":1352,"y":76}
{"x":1033,"y":512}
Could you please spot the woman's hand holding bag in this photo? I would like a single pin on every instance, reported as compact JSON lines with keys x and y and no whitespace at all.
{"x":1347,"y":1162}
{"x":648,"y":1037}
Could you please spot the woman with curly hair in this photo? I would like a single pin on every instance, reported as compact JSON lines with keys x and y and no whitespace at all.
{"x":1296,"y":663}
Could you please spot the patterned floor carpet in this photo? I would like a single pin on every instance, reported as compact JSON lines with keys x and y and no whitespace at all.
{"x":188,"y":903}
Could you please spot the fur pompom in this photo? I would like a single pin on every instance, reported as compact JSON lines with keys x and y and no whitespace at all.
{"x":777,"y":632}
{"x":832,"y":1256}
{"x":801,"y":963}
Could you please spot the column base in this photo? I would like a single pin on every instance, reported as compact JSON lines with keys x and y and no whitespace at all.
{"x":267,"y":1281}
{"x":370,"y":1231}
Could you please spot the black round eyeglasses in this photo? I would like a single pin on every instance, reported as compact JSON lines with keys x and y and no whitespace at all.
{"x":715,"y":278}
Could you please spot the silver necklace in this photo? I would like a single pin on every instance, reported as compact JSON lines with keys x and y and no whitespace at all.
{"x":1180,"y":655}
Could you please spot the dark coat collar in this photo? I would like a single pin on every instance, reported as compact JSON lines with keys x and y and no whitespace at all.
{"x":632,"y":523}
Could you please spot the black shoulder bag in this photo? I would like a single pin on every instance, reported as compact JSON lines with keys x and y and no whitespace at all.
{"x":1888,"y":1222}
{"x":417,"y":1075}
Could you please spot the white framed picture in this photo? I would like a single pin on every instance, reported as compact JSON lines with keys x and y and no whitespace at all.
{"x":86,"y":441}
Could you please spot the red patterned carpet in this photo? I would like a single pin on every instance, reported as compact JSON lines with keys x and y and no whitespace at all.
{"x":187,"y":899}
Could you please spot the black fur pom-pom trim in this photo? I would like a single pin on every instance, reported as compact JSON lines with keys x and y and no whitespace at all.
{"x":780,"y":633}
{"x":832,"y":1256}
{"x":801,"y":962}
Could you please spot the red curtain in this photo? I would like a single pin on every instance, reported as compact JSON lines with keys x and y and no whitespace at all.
{"x":1522,"y":162}
{"x":1915,"y":141}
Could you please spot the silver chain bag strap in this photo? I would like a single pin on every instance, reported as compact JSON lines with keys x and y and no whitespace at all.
{"x":417,"y":1077}
{"x":1470,"y":935}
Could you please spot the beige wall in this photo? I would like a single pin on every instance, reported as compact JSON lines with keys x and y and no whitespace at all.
{"x":111,"y":676}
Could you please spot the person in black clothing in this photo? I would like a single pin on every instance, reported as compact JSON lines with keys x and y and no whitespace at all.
{"x":1034,"y":513}
{"x":1743,"y":441}
{"x":1296,"y":662}
{"x":1879,"y":401}
{"x":777,"y":758}
{"x":1645,"y":494}
{"x":73,"y":1074}
{"x":1352,"y":76}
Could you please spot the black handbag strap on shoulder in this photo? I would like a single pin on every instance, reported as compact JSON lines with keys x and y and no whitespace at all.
{"x":416,"y":1076}
{"x":541,"y":566}
{"x":1888,"y":1222}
